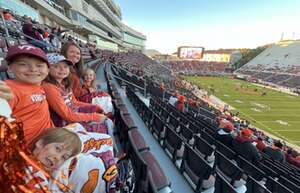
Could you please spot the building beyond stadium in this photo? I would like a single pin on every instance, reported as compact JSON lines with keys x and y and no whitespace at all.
{"x":96,"y":21}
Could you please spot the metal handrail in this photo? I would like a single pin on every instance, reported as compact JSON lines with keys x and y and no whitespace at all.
{"x":145,"y":80}
{"x":118,"y":77}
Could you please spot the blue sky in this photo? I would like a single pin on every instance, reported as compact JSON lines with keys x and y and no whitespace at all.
{"x":212,"y":24}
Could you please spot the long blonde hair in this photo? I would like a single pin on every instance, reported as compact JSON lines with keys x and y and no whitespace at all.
{"x":87,"y":70}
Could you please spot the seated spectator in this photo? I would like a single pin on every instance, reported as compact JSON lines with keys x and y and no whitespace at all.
{"x":224,"y":132}
{"x":260,"y":145}
{"x":29,"y":104}
{"x":72,"y":52}
{"x":276,"y":152}
{"x":92,"y":158}
{"x":242,"y":144}
{"x":36,"y":38}
{"x":292,"y":157}
{"x":89,"y":80}
{"x":179,"y":105}
{"x":27,"y":99}
{"x":92,"y":52}
{"x":55,"y":35}
{"x":54,"y":146}
{"x":61,"y":99}
{"x":173,"y":98}
{"x":162,"y":87}
{"x":7,"y":15}
{"x":192,"y":103}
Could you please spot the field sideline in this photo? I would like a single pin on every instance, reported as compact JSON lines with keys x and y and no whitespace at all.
{"x":272,"y":111}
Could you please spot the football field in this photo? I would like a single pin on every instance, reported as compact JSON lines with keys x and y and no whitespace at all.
{"x":275,"y":112}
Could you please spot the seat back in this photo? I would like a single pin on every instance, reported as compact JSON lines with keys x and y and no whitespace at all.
{"x":254,"y":186}
{"x":223,"y":186}
{"x":140,"y":168}
{"x":160,"y":180}
{"x":268,"y":170}
{"x":288,"y":183}
{"x":276,"y":187}
{"x":157,"y":126}
{"x":186,"y":133}
{"x":173,"y":122}
{"x":208,"y":138}
{"x":203,"y":147}
{"x":250,"y":169}
{"x":137,"y":141}
{"x":230,"y":154}
{"x":194,"y":127}
{"x":228,"y":168}
{"x":165,"y":115}
{"x":172,"y":142}
{"x":196,"y":168}
{"x":147,"y":118}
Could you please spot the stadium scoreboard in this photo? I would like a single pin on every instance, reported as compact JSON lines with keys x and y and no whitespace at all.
{"x":190,"y":52}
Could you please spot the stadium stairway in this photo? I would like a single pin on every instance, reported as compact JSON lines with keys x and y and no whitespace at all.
{"x":178,"y":182}
{"x":101,"y":82}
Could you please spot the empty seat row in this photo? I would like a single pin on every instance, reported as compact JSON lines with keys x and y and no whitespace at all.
{"x":149,"y":176}
{"x":232,"y":168}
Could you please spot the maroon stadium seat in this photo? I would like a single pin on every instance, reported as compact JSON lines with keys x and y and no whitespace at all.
{"x":173,"y":143}
{"x":160,"y":180}
{"x":137,"y":139}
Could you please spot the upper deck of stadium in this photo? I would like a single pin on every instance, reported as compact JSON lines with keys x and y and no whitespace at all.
{"x":93,"y":20}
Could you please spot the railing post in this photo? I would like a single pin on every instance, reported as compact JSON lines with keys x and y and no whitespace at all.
{"x":145,"y":86}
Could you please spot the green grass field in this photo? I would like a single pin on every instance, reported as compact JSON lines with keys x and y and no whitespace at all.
{"x":275,"y":112}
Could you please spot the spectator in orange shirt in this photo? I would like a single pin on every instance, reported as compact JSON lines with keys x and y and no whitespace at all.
{"x":180,"y":103}
{"x":66,"y":108}
{"x":72,"y":52}
{"x":29,"y":104}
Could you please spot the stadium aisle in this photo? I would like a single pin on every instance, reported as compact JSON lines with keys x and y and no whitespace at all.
{"x":178,"y":182}
{"x":101,"y":78}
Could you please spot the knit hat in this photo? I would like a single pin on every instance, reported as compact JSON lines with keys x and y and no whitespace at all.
{"x":26,"y":49}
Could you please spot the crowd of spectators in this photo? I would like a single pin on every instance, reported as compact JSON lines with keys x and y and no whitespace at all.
{"x":282,"y":75}
{"x":195,"y":67}
{"x":22,"y":29}
{"x":249,"y":142}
